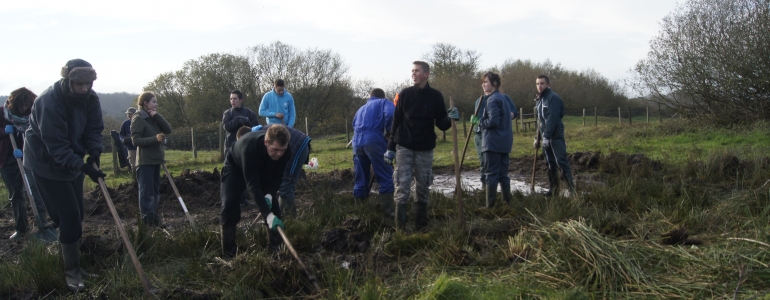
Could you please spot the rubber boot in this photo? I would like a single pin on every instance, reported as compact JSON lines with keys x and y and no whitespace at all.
{"x":387,"y":204}
{"x":19,"y":217}
{"x":553,"y":183}
{"x":505,"y":186}
{"x":401,"y":215}
{"x":229,"y":248}
{"x":149,"y":219}
{"x":571,"y":187}
{"x":420,"y":215}
{"x":72,"y":272}
{"x":491,"y":194}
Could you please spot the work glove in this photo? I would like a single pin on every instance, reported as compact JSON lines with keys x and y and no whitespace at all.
{"x":389,"y":156}
{"x":94,"y":174}
{"x":256,"y":128}
{"x":17,"y":153}
{"x":536,"y":144}
{"x":93,"y":157}
{"x":475,"y":119}
{"x":8,"y":129}
{"x":453,"y":114}
{"x":269,"y":201}
{"x":546,"y":143}
{"x":273,"y":221}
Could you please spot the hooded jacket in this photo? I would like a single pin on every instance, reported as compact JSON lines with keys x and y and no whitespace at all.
{"x":550,"y":111}
{"x":273,"y":103}
{"x":495,"y":125}
{"x":371,"y":121}
{"x":233,"y":119}
{"x":61,"y":132}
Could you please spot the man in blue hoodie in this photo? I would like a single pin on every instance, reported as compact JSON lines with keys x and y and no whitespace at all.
{"x":278,"y":105}
{"x":550,"y":111}
{"x":369,"y":146}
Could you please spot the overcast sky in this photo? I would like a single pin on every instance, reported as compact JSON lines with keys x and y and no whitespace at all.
{"x":130,"y":42}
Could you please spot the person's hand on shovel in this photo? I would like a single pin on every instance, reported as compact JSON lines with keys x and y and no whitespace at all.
{"x":92,"y":173}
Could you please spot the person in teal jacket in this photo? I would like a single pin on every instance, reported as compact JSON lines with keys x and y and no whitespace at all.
{"x":277,"y":106}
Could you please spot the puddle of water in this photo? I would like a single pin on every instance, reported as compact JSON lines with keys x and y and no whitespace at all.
{"x":471,"y":180}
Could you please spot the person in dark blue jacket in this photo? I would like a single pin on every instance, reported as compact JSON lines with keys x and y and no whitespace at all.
{"x":369,"y":145}
{"x":482,"y":101}
{"x":65,"y":125}
{"x":550,"y":111}
{"x":125,"y":136}
{"x":496,"y":139}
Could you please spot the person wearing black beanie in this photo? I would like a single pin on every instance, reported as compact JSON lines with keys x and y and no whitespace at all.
{"x":65,"y":125}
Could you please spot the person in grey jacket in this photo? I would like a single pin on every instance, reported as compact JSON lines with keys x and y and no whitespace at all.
{"x":65,"y":125}
{"x":550,"y":111}
{"x":496,"y":139}
{"x":236,"y":117}
{"x":148,"y":133}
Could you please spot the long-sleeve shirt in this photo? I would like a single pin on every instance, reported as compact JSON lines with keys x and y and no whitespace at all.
{"x":416,"y":113}
{"x":272,"y":103}
{"x":233,"y":119}
{"x":371,"y":121}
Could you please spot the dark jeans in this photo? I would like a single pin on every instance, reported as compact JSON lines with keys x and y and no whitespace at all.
{"x":148,"y":177}
{"x":482,"y":164}
{"x":12,"y":179}
{"x":289,"y":183}
{"x":556,"y":157}
{"x":64,"y":200}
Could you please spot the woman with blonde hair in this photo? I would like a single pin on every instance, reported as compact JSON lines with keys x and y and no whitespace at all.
{"x":148,"y":133}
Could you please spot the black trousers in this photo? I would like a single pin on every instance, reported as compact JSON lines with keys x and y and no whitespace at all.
{"x":231,"y":192}
{"x":64,"y":202}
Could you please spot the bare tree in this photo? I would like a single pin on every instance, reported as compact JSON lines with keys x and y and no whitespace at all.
{"x":711,"y":59}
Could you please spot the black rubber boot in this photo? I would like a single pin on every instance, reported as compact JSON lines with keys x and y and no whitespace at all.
{"x":229,"y":248}
{"x":420,"y":215}
{"x":553,"y":183}
{"x":20,"y":215}
{"x":401,"y":218}
{"x":149,"y":219}
{"x":386,"y":200}
{"x":571,"y":187}
{"x":506,"y":187}
{"x":491,"y":194}
{"x":72,"y":272}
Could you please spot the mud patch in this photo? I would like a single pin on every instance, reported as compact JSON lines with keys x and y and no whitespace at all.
{"x":348,"y":239}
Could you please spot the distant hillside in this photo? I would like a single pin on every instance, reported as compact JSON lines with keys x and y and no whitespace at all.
{"x":113,"y":104}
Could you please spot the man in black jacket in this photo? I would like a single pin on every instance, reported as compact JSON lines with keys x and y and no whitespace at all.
{"x":417,"y":109}
{"x":235,"y":117}
{"x":254,"y":164}
{"x":550,"y":111}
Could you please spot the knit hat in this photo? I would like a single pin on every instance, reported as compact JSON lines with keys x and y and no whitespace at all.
{"x":131,"y":110}
{"x":78,"y":70}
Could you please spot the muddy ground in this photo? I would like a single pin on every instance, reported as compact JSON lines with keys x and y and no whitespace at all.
{"x":200,"y":192}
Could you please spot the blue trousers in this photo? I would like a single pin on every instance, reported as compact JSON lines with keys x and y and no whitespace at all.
{"x":556,"y":157}
{"x":372,"y":154}
{"x":496,"y":167}
{"x":148,"y":177}
{"x":289,"y":183}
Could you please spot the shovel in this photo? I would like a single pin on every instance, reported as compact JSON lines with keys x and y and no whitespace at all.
{"x":45,"y":234}
{"x":178,"y":196}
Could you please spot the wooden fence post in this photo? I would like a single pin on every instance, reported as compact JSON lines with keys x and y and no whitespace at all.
{"x":306,"y":131}
{"x":115,"y":165}
{"x":660,"y":114}
{"x":596,"y":117}
{"x":465,"y":129}
{"x":347,"y":131}
{"x":629,"y":116}
{"x":620,"y":119}
{"x":584,"y":117}
{"x":521,"y":118}
{"x":192,"y":142}
{"x":648,"y":114}
{"x":221,"y":135}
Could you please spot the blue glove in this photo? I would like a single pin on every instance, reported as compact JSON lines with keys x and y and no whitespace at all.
{"x":256,"y":128}
{"x":273,"y":221}
{"x":389,"y":156}
{"x":269,"y":200}
{"x":546,"y":143}
{"x":453,"y":114}
{"x":17,"y":153}
{"x":8,"y":129}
